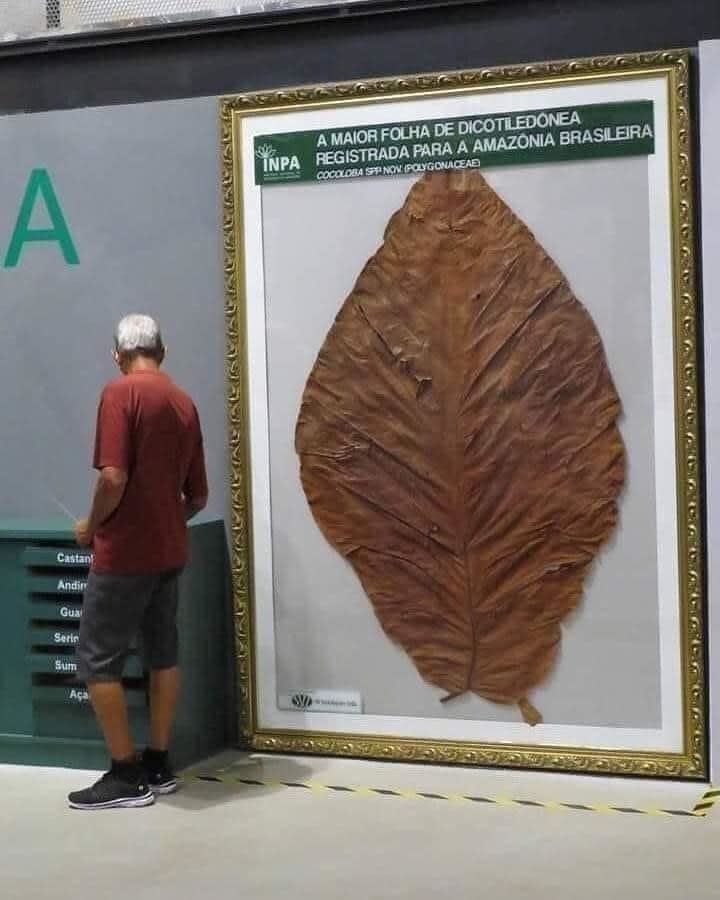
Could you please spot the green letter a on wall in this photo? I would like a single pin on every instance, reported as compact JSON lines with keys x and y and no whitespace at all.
{"x":38,"y":185}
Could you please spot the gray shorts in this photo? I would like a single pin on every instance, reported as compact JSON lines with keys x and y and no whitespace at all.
{"x":121,"y":611}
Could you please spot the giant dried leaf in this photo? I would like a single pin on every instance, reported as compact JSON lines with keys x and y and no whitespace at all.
{"x":458,"y":441}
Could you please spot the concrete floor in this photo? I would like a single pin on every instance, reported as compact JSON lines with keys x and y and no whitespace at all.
{"x":215,"y":841}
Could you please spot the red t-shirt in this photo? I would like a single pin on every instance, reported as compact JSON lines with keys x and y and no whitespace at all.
{"x":149,"y":427}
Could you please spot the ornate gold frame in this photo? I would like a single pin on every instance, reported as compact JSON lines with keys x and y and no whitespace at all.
{"x":692,"y":762}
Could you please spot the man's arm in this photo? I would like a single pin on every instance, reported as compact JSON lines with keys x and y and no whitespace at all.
{"x":195,"y":489}
{"x":193,"y":505}
{"x":109,"y":491}
{"x":112,"y":458}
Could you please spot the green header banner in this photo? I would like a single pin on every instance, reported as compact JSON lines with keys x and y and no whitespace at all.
{"x":501,"y":139}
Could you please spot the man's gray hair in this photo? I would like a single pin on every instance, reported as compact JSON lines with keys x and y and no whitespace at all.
{"x":137,"y":332}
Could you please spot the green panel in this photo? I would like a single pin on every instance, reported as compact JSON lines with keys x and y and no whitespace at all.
{"x":45,"y":717}
{"x":57,"y":557}
{"x":50,"y":636}
{"x":36,"y":530}
{"x":36,"y":750}
{"x":55,"y":611}
{"x":204,"y":725}
{"x":64,"y":583}
{"x":62,"y":664}
{"x":15,"y":703}
{"x":76,"y":695}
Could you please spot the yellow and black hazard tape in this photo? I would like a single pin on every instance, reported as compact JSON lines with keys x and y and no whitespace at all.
{"x":706,"y":802}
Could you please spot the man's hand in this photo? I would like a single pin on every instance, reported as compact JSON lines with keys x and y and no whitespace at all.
{"x":109,"y":490}
{"x":83,"y":533}
{"x":194,"y":505}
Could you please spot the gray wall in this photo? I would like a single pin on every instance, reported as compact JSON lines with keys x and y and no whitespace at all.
{"x":139,"y":186}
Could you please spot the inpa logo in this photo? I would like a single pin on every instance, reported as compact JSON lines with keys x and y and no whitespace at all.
{"x":301,"y":701}
{"x":275,"y":164}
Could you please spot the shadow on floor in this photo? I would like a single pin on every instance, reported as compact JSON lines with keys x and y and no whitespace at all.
{"x":199,"y":794}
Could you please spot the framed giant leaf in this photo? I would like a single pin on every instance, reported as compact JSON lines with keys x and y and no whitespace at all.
{"x":463,"y":410}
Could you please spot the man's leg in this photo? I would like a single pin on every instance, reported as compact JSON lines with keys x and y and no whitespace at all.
{"x":113,"y":608}
{"x":164,"y":689}
{"x":110,"y":708}
{"x":160,"y":644}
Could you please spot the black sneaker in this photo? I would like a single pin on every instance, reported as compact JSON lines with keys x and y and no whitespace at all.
{"x":112,"y":791}
{"x":160,"y":776}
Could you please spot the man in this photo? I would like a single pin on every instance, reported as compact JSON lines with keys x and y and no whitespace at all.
{"x":149,"y":454}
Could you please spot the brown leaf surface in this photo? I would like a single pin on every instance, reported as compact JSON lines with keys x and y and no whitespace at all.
{"x":458,"y":441}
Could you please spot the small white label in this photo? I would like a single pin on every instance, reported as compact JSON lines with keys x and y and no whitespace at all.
{"x":73,"y":559}
{"x":65,"y":665}
{"x":70,"y":612}
{"x":71,"y":586}
{"x":322,"y":701}
{"x":64,"y":637}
